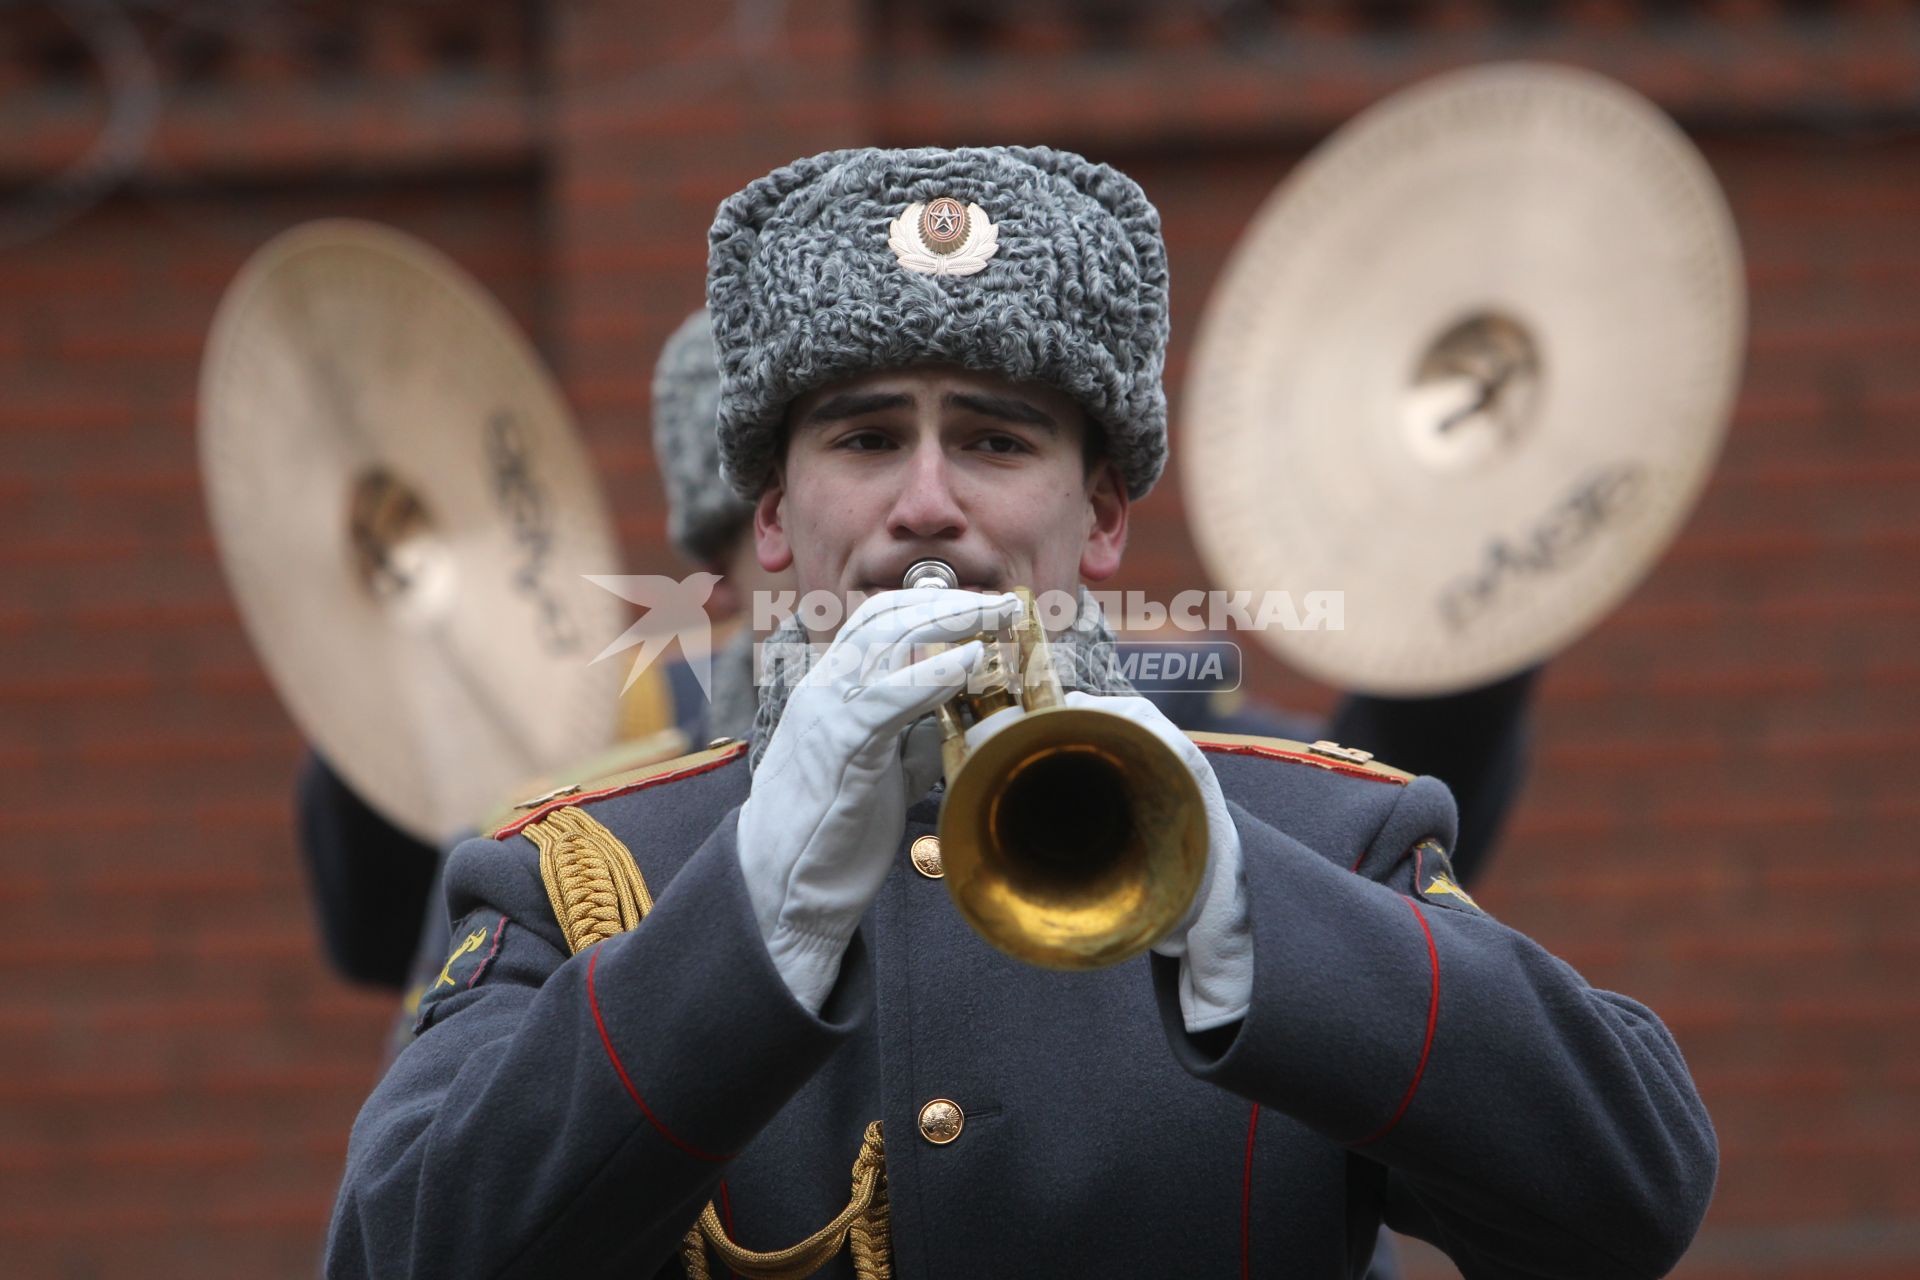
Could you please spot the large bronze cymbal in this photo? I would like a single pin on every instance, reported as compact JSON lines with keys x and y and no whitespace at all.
{"x":1470,"y":365}
{"x":404,"y":513}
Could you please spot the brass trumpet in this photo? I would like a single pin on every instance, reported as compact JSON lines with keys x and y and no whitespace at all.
{"x":1072,"y":839}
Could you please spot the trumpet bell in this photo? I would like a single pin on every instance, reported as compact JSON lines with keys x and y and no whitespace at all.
{"x":1073,"y":839}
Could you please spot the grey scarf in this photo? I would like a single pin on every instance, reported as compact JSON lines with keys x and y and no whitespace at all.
{"x":1083,"y":655}
{"x":735,"y":699}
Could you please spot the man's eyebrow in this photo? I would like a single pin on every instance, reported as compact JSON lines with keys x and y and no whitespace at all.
{"x":855,"y":404}
{"x":1006,"y":408}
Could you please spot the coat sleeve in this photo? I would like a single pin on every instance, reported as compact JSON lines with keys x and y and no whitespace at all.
{"x":1531,"y":1125}
{"x":1475,"y":741}
{"x":561,"y":1113}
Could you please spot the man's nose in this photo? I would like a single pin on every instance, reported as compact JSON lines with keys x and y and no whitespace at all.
{"x":926,"y":506}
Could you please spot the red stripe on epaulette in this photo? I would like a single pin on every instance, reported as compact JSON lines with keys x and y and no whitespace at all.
{"x":1298,"y":757}
{"x":584,"y":797}
{"x":499,"y":931}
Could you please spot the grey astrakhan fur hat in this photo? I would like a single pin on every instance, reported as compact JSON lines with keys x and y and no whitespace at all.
{"x":703,"y":512}
{"x":1034,"y":264}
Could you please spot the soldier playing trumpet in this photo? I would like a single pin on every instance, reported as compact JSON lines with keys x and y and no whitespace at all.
{"x":703,"y":991}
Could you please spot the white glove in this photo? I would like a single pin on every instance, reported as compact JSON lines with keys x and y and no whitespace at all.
{"x":1214,"y":943}
{"x":822,"y":825}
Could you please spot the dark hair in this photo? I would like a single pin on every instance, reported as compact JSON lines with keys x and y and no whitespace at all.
{"x":1093,"y":445}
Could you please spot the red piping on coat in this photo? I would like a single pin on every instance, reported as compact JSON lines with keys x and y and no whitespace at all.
{"x":1433,"y":1017}
{"x":606,"y":1042}
{"x":1246,"y":1199}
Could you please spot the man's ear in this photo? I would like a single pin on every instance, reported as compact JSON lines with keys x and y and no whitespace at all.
{"x":1107,"y":504}
{"x":770,"y":543}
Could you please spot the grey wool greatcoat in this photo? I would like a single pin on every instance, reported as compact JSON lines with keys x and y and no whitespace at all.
{"x":1406,"y":1056}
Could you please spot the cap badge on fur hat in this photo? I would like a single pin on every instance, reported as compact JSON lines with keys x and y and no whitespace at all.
{"x":943,"y":225}
{"x":943,"y":238}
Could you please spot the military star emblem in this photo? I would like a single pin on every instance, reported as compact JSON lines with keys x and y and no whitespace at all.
{"x":943,"y":238}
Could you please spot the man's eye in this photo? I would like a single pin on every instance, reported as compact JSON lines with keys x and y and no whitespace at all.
{"x":864,"y":442}
{"x":1006,"y":446}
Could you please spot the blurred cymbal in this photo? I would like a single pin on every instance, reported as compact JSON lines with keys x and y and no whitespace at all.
{"x":404,"y":513}
{"x":1470,"y":365}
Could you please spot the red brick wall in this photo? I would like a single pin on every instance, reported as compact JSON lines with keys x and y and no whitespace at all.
{"x":1722,"y":787}
{"x":178,"y":1066}
{"x":663,"y":117}
{"x":1724,"y":783}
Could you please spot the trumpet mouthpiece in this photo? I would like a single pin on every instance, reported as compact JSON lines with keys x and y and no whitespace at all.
{"x":930,"y":573}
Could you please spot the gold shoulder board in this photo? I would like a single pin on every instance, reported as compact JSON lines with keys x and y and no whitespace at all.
{"x":1320,"y":755}
{"x":598,"y":784}
{"x":592,"y":881}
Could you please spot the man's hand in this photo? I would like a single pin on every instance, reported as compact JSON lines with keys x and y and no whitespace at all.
{"x":1215,"y":940}
{"x":819,"y":831}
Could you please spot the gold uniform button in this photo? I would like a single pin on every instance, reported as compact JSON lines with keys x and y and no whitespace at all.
{"x":925,"y":853}
{"x":941,"y":1121}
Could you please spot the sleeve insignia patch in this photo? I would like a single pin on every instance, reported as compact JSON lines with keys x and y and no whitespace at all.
{"x":1445,"y":884}
{"x":477,"y":942}
{"x":466,"y":948}
{"x":1433,"y":878}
